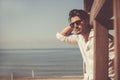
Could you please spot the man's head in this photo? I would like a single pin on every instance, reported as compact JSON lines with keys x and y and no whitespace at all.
{"x":79,"y":21}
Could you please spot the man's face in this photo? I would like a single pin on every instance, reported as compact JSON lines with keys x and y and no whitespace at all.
{"x":78,"y":24}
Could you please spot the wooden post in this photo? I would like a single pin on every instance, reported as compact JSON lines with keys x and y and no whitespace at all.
{"x":116,"y":7}
{"x":101,"y":52}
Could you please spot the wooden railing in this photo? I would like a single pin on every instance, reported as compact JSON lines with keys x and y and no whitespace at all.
{"x":116,"y":10}
{"x":101,"y":12}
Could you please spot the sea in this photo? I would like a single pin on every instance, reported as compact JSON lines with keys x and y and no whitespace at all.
{"x":41,"y":62}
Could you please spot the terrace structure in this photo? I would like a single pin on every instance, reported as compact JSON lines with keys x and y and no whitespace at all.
{"x":104,"y":16}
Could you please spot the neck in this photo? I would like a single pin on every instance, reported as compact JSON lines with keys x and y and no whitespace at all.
{"x":86,"y":34}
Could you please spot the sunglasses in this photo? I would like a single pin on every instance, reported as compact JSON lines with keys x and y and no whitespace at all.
{"x":78,"y":22}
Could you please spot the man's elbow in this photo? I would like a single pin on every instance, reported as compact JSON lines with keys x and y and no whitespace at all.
{"x":60,"y":37}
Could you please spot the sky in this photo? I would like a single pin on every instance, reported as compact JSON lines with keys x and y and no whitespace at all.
{"x":28,"y":24}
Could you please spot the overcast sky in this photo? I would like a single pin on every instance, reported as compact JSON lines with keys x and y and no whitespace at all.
{"x":34,"y":23}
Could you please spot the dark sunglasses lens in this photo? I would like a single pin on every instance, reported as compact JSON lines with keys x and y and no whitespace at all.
{"x":78,"y":22}
{"x":72,"y":24}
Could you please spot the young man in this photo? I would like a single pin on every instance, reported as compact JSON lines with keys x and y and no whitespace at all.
{"x":84,"y":38}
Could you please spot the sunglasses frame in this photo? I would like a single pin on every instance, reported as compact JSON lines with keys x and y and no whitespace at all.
{"x":78,"y":22}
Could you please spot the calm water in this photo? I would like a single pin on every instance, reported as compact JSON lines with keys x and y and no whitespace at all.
{"x":43,"y":62}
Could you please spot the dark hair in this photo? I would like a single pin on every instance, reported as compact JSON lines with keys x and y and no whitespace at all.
{"x":80,"y":13}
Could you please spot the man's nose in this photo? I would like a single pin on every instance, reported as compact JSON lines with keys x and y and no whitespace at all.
{"x":76,"y":27}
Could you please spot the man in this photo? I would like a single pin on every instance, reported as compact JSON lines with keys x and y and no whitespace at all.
{"x":84,"y":38}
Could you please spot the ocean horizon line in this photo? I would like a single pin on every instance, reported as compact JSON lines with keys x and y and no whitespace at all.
{"x":37,"y":48}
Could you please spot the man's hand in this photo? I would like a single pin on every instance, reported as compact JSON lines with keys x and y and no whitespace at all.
{"x":66,"y":31}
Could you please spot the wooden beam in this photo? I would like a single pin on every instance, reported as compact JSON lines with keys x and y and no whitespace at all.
{"x":97,"y":5}
{"x":101,"y":52}
{"x":102,"y":10}
{"x":105,"y":22}
{"x":116,"y":8}
{"x":106,"y":10}
{"x":105,"y":14}
{"x":88,"y":5}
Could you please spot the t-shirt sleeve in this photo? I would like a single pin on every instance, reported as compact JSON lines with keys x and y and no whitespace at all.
{"x":72,"y":39}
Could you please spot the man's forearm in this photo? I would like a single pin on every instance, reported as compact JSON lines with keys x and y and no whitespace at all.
{"x":66,"y":31}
